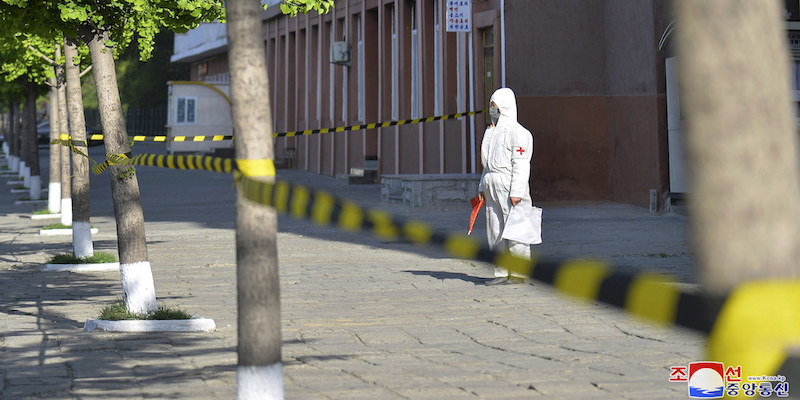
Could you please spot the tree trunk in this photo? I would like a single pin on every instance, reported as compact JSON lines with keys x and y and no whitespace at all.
{"x":260,"y":372}
{"x":741,"y":142}
{"x":13,"y":136}
{"x":81,"y":227}
{"x":54,"y":187}
{"x":138,"y":289}
{"x":4,"y":132}
{"x":22,"y":144}
{"x":63,"y":128}
{"x":32,"y":148}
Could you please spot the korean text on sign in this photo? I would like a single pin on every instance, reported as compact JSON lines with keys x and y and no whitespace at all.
{"x":459,"y":15}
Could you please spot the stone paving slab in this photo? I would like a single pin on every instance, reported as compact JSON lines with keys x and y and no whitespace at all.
{"x":362,"y":318}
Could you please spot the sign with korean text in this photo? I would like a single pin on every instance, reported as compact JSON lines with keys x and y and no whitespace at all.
{"x":794,"y":41}
{"x":459,"y":15}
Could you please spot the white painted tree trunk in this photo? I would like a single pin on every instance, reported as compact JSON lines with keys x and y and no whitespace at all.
{"x":26,"y":176}
{"x":137,"y":283}
{"x":259,"y":382}
{"x":54,"y":186}
{"x":82,"y":239}
{"x":66,"y":211}
{"x":36,"y":187}
{"x":21,"y":171}
{"x":81,"y":236}
{"x":138,"y":290}
{"x":259,"y":373}
{"x":54,"y":197}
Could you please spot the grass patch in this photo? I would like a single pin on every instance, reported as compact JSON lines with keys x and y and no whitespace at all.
{"x":19,"y":187}
{"x":57,"y":225}
{"x":4,"y":168}
{"x":118,"y":312}
{"x":96,"y":258}
{"x":42,"y":211}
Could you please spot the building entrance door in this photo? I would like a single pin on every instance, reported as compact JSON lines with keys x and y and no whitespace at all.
{"x":488,"y":63}
{"x":678,"y":185}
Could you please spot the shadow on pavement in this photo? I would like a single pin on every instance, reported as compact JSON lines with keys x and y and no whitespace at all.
{"x":451,"y":275}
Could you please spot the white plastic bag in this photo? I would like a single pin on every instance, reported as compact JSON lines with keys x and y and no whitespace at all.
{"x":524,"y":224}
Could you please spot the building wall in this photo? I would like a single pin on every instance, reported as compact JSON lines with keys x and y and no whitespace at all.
{"x":589,"y":80}
{"x":213,"y":117}
{"x":307,"y":91}
{"x":588,"y":75}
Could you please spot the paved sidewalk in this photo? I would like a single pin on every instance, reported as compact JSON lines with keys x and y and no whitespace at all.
{"x":362,"y":318}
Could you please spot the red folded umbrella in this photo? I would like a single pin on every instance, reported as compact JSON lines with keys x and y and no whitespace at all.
{"x":477,"y":203}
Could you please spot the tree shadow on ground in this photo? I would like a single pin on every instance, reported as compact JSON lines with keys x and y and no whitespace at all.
{"x":451,"y":275}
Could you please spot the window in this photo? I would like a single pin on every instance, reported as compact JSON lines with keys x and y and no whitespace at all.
{"x":360,"y":68}
{"x":395,"y":91}
{"x":414,"y":63}
{"x":185,"y":110}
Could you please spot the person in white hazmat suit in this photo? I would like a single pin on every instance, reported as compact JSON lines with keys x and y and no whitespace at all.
{"x":506,"y":153}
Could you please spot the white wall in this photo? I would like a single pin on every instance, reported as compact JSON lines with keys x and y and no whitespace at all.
{"x":213,"y":117}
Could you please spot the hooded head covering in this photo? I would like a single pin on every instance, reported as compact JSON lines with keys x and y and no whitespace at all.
{"x":506,"y":102}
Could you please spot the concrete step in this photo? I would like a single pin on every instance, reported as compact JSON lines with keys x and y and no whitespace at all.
{"x":365,"y":172}
{"x":353,"y":179}
{"x":367,"y":175}
{"x":371,"y":162}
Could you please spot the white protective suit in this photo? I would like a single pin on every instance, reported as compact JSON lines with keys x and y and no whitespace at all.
{"x":506,"y":153}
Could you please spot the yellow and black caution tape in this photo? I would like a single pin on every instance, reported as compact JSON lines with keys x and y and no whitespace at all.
{"x":216,"y":138}
{"x":377,"y":125}
{"x":649,"y":296}
{"x":216,"y":164}
{"x":754,"y":326}
{"x":161,"y":138}
{"x":73,"y":145}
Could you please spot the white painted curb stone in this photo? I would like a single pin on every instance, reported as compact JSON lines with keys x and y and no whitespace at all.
{"x":18,"y":202}
{"x":59,"y":232}
{"x":15,"y":191}
{"x":171,"y":325}
{"x":46,"y":216}
{"x":82,"y":267}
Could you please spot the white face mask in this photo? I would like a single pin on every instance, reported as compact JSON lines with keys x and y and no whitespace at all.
{"x":494,"y":113}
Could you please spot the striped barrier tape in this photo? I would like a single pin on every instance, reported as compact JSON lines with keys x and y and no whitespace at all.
{"x":216,"y":164}
{"x":73,"y":145}
{"x":649,"y":296}
{"x":217,"y":138}
{"x":756,"y":325}
{"x":377,"y":125}
{"x":741,"y":331}
{"x":160,"y":138}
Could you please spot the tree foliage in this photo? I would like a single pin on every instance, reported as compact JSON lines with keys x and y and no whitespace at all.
{"x":122,"y":19}
{"x":292,"y":7}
